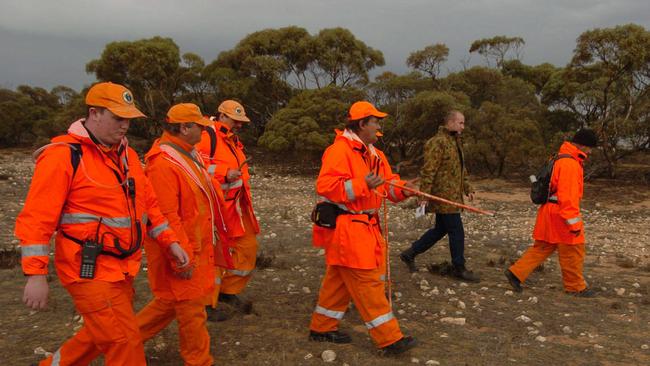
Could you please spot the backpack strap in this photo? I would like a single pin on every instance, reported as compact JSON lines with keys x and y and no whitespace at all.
{"x":213,"y":141}
{"x":75,"y":156}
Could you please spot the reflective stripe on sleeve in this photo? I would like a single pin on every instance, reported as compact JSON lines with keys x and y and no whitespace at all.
{"x":380,"y":320}
{"x":84,"y":218}
{"x":573,"y":220}
{"x":391,"y":191}
{"x":217,"y":281}
{"x":156,"y":231}
{"x":34,"y":250}
{"x":56,"y":358}
{"x":329,"y":313}
{"x":349,"y":190}
{"x":236,"y":184}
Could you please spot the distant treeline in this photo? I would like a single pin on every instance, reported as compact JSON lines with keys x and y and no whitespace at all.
{"x":297,"y":87}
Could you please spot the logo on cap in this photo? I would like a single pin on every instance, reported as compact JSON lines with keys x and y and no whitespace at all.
{"x":238,"y":110}
{"x":127,"y":97}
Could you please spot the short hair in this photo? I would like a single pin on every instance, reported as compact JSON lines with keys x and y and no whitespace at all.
{"x":355,"y":125}
{"x":451,"y":115}
{"x":100,"y":109}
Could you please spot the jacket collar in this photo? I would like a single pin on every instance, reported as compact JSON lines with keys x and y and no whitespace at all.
{"x":79,"y":131}
{"x":571,"y":149}
{"x":355,"y":142}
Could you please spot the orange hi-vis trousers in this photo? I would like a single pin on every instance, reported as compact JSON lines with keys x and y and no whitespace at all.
{"x":366,"y":288}
{"x":110,"y":326}
{"x":234,"y":280}
{"x":191,"y":318}
{"x":571,"y":257}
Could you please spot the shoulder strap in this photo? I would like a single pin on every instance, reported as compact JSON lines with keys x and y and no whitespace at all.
{"x":75,"y":156}
{"x":213,"y":141}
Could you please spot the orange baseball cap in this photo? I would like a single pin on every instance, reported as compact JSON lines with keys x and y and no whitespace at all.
{"x":233,"y":110}
{"x":185,"y":113}
{"x":114,"y":97}
{"x":363,"y":109}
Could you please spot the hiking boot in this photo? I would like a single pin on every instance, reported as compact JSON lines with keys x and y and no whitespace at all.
{"x":514,"y":281}
{"x":587,"y":292}
{"x":399,"y":347}
{"x":408,"y":257}
{"x":334,"y":337}
{"x":216,"y":315}
{"x":243,"y":306}
{"x":464,"y":274}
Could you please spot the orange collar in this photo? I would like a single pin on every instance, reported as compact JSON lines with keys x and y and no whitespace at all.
{"x":167,"y":137}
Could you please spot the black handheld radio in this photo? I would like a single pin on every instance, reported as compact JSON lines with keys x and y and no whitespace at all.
{"x":89,"y":252}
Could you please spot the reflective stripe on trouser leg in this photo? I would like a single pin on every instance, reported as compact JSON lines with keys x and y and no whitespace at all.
{"x":572,"y":258}
{"x":369,"y":297}
{"x":212,"y":299}
{"x":122,"y":345}
{"x":532,"y":257}
{"x":333,"y":301}
{"x":244,"y":258}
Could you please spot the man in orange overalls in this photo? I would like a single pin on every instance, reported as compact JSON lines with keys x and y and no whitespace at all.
{"x":352,"y":183}
{"x":89,"y":188}
{"x":193,"y":207}
{"x":226,"y":162}
{"x":559,"y":225}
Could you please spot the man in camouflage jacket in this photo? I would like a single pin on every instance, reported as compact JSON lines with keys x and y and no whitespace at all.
{"x":444,"y":175}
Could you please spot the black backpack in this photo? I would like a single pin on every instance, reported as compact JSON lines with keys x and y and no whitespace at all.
{"x":540,"y":188}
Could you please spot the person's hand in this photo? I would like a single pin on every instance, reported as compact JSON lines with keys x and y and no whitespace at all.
{"x":410,"y":184}
{"x":179,"y":255}
{"x":470,"y":196}
{"x":36,"y":291}
{"x":232,"y":175}
{"x":374,"y":181}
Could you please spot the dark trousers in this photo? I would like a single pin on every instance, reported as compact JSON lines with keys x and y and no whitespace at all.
{"x":446,"y":224}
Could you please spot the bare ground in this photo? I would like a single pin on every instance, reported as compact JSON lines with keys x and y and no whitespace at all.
{"x":611,"y":329}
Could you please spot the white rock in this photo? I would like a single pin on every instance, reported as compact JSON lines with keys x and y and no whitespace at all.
{"x":566,"y":330}
{"x":540,"y":339}
{"x":455,"y":321}
{"x":537,"y":324}
{"x":619,"y":291}
{"x":508,"y":293}
{"x":598,"y":346}
{"x":533,"y":299}
{"x":461,"y":305}
{"x":645,"y":346}
{"x":306,"y":290}
{"x":523,"y":318}
{"x":450,"y":292}
{"x":276,"y":279}
{"x":321,"y":252}
{"x":414,"y":360}
{"x":401,"y":312}
{"x":41,"y":351}
{"x":308,"y":356}
{"x":636,"y":285}
{"x":432,"y":362}
{"x":328,"y":355}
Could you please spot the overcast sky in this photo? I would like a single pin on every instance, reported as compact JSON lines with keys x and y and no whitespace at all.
{"x":48,"y":42}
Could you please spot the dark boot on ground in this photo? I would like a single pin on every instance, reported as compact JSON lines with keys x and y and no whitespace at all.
{"x":588,"y":292}
{"x":464,"y":274}
{"x":399,"y":347}
{"x":334,"y":336}
{"x":408,"y":257}
{"x":514,"y":281}
{"x":243,"y":306}
{"x":216,"y":315}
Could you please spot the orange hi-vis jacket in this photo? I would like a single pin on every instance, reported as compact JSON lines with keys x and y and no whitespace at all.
{"x":193,"y":207}
{"x":95,"y":202}
{"x":229,"y":154}
{"x":561,"y":215}
{"x":356,"y":242}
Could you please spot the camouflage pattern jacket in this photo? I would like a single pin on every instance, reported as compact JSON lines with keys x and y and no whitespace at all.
{"x":444,"y":174}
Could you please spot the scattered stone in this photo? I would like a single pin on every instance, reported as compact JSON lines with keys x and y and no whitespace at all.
{"x":619,"y":291}
{"x":306,"y":290}
{"x":636,"y":285}
{"x":509,"y":293}
{"x":566,"y":330}
{"x":461,"y":304}
{"x":455,"y":321}
{"x":414,"y":360}
{"x":540,"y":339}
{"x":308,"y":356}
{"x":645,"y":346}
{"x":533,"y":299}
{"x":41,"y":351}
{"x":598,"y":346}
{"x":328,"y":355}
{"x":523,"y":318}
{"x":432,"y":362}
